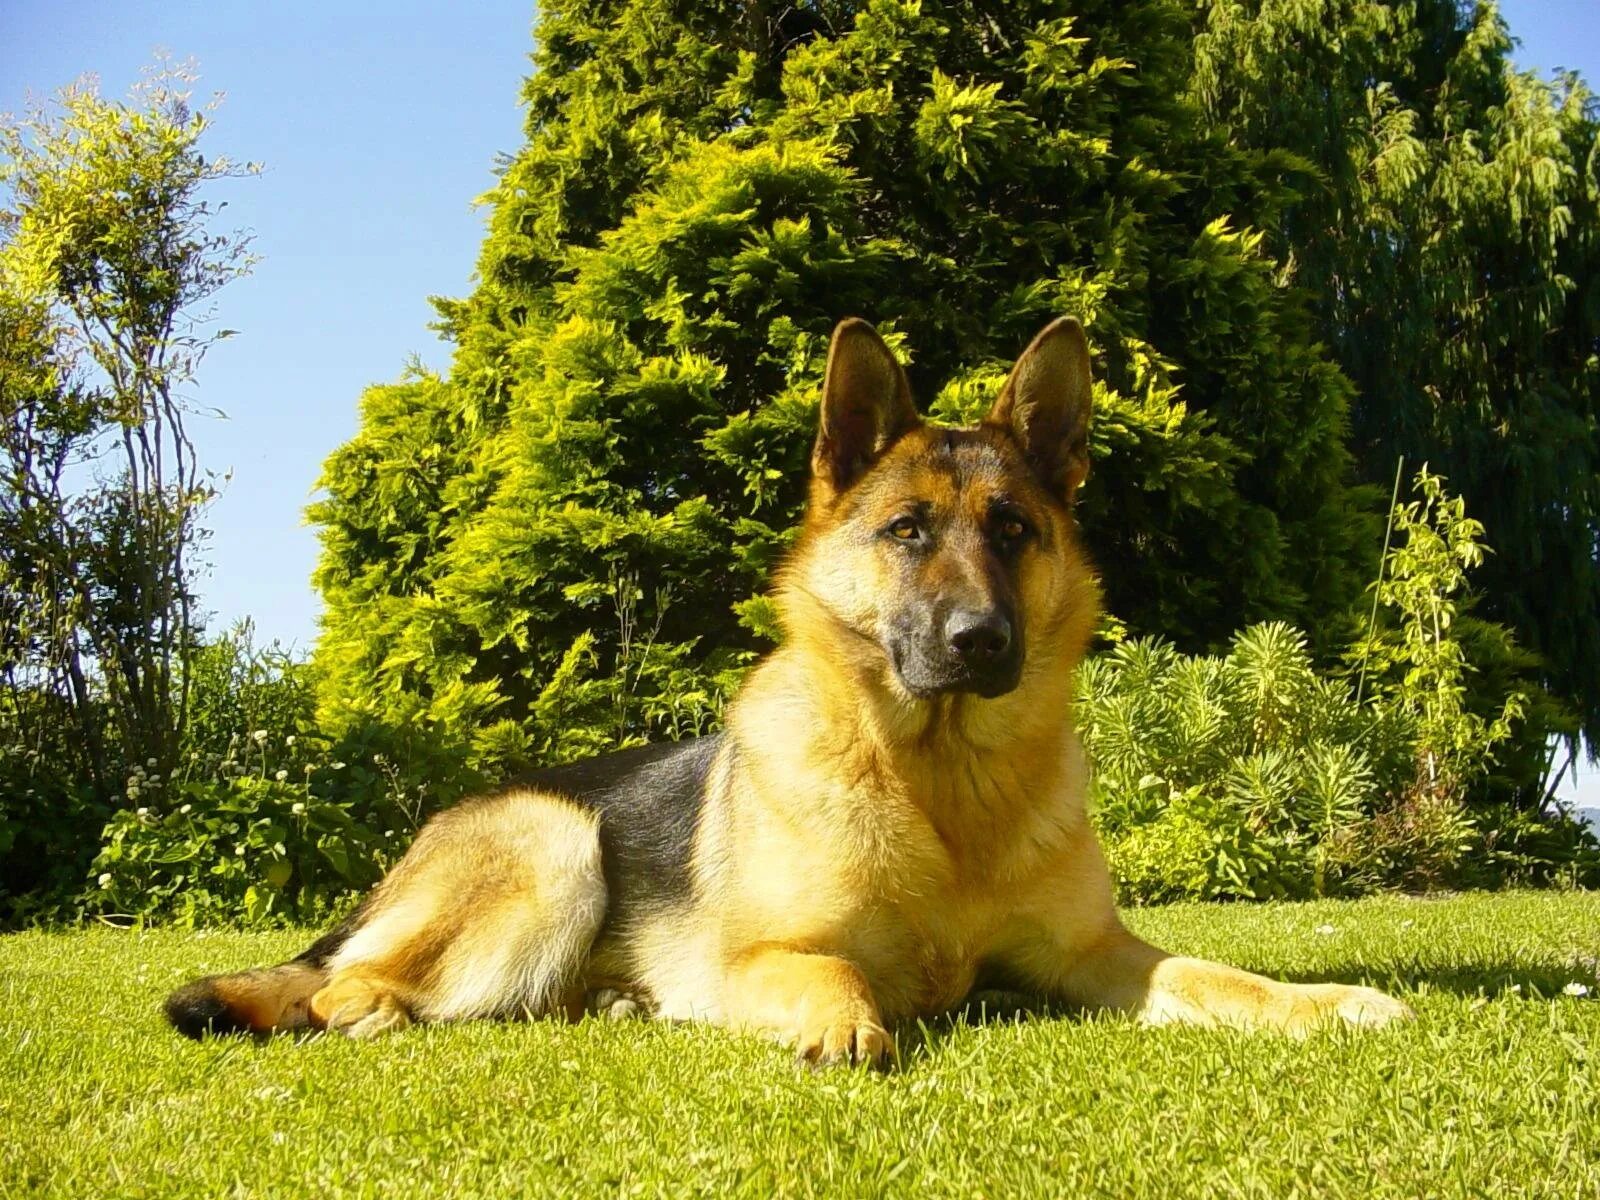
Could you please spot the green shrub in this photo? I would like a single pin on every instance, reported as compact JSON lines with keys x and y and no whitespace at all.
{"x":1172,"y":857}
{"x":263,"y":821}
{"x":50,"y":816}
{"x":1208,"y":786}
{"x":1311,"y":784}
{"x":252,"y":850}
{"x":1250,"y":775}
{"x":1276,"y":763}
{"x":267,"y":821}
{"x":236,"y":690}
{"x":1529,"y":848}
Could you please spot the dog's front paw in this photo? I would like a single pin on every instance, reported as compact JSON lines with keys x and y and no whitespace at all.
{"x":1369,"y":1008}
{"x":1342,"y":1004}
{"x":845,"y":1043}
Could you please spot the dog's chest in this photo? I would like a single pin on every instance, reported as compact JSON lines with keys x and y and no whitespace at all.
{"x":916,"y":968}
{"x":921,"y":950}
{"x":931,"y":914}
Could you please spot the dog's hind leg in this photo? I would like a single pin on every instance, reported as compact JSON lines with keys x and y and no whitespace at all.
{"x":611,"y":1004}
{"x":361,"y":1005}
{"x":266,"y":1000}
{"x":491,"y":913}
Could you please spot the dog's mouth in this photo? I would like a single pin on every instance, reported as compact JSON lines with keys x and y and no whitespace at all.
{"x":927,"y":678}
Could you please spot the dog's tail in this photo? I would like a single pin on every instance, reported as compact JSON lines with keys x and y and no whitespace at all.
{"x":261,"y":1001}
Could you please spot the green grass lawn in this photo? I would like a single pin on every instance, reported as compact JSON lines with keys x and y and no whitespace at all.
{"x":1491,"y":1092}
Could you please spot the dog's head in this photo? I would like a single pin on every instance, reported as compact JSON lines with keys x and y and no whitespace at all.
{"x":949,"y":558}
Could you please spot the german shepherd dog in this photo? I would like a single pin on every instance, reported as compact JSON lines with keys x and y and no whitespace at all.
{"x":894,"y":814}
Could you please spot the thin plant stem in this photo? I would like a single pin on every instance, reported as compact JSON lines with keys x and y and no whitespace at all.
{"x":1377,"y":588}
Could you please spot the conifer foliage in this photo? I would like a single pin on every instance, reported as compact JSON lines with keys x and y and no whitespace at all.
{"x":1449,"y":244}
{"x":546,"y":551}
{"x":563,"y":543}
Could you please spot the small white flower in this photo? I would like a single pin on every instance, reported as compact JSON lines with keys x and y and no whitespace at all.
{"x":105,"y":879}
{"x":1326,"y":929}
{"x":186,"y":808}
{"x":281,"y":776}
{"x":1575,"y":989}
{"x":144,"y":812}
{"x":338,"y":766}
{"x":238,"y":849}
{"x":1515,"y":989}
{"x":297,"y":809}
{"x":289,"y":741}
{"x":151,"y":763}
{"x":260,"y":735}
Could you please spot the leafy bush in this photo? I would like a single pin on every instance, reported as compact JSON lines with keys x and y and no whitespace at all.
{"x":1529,"y":848}
{"x":240,"y":691}
{"x":1172,"y":857}
{"x":263,"y":821}
{"x":1275,"y":764}
{"x":1419,"y":660}
{"x":248,"y":849}
{"x":1252,"y":775}
{"x":50,"y":814}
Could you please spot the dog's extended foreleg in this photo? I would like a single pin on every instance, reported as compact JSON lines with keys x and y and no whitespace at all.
{"x":1121,"y":972}
{"x":1069,"y":943}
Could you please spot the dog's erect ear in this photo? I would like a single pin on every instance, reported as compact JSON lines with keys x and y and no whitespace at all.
{"x":1045,"y":406}
{"x":866,"y":404}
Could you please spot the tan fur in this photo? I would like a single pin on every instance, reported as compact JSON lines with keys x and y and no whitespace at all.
{"x":870,"y":836}
{"x":485,"y":916}
{"x":864,"y":855}
{"x":274,"y":998}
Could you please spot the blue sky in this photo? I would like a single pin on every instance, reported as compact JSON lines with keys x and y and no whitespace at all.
{"x":377,"y":132}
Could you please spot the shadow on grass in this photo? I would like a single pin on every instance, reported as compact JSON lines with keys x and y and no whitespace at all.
{"x":1490,"y":979}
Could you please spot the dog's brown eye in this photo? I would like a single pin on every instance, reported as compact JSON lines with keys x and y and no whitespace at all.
{"x":1009,"y":528}
{"x":905,"y":529}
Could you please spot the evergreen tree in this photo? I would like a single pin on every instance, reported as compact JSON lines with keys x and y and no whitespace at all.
{"x":564,"y":542}
{"x":1449,"y":245}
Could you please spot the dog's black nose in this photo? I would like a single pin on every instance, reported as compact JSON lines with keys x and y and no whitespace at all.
{"x":978,"y":638}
